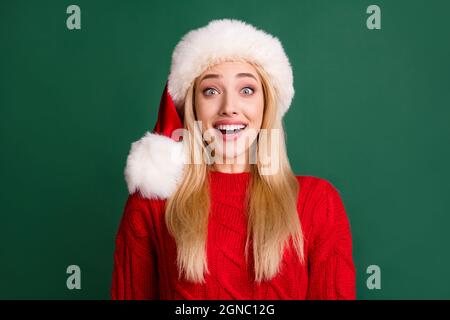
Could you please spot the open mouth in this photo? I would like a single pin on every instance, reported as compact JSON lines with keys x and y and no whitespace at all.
{"x":230,"y":129}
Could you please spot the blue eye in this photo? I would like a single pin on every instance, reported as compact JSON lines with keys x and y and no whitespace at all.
{"x":248,"y":88}
{"x":208,"y":90}
{"x":212,"y":91}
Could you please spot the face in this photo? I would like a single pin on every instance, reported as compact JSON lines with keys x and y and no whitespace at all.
{"x":229,"y":103}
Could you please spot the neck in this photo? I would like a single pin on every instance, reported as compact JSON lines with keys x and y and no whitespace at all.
{"x":237,"y":164}
{"x":231,"y":168}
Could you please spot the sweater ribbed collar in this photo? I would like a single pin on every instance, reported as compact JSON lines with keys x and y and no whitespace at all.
{"x":229,"y":183}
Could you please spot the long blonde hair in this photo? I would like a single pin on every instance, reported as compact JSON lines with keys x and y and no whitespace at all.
{"x":273,"y":220}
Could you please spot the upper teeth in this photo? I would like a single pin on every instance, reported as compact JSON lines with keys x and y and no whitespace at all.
{"x":230,"y":126}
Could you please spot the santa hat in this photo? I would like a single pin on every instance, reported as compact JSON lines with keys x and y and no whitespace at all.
{"x":152,"y":167}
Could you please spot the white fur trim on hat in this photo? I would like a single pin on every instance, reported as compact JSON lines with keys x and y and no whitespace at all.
{"x":226,"y":39}
{"x":154,"y":166}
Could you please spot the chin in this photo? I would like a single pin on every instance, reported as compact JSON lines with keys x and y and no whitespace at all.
{"x":229,"y":159}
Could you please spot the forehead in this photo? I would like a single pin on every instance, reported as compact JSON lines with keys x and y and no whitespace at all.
{"x":230,"y":68}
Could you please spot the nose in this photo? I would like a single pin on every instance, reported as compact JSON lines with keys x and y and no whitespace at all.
{"x":228,"y":105}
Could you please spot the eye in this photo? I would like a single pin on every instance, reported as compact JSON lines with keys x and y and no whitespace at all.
{"x":207,"y":91}
{"x":247,"y":90}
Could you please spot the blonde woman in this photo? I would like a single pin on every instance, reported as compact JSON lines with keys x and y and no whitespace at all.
{"x":215,"y":211}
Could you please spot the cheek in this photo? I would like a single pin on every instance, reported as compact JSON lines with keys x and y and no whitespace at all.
{"x":256,"y":111}
{"x":204,"y":111}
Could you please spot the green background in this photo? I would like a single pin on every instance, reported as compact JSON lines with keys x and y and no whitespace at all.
{"x":371,"y":115}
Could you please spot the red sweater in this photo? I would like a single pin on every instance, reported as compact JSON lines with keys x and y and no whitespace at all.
{"x":145,"y":254}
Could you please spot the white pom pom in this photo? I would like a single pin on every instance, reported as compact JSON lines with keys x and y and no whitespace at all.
{"x":154,"y":166}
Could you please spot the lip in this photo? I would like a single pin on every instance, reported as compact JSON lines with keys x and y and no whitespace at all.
{"x":225,"y":122}
{"x":232,"y":136}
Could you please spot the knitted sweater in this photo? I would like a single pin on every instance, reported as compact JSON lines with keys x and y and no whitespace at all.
{"x":145,"y":254}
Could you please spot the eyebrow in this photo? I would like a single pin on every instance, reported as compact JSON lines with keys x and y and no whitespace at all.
{"x":239,"y":75}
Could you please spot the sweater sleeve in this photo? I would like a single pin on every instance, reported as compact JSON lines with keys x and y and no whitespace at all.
{"x":134,"y":271}
{"x":330,"y":262}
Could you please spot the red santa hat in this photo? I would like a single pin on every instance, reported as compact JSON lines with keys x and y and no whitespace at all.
{"x":155,"y":162}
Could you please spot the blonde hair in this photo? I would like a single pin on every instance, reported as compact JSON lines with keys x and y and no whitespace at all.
{"x":273,"y":220}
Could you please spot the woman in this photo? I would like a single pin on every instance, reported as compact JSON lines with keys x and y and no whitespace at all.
{"x":215,"y":211}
